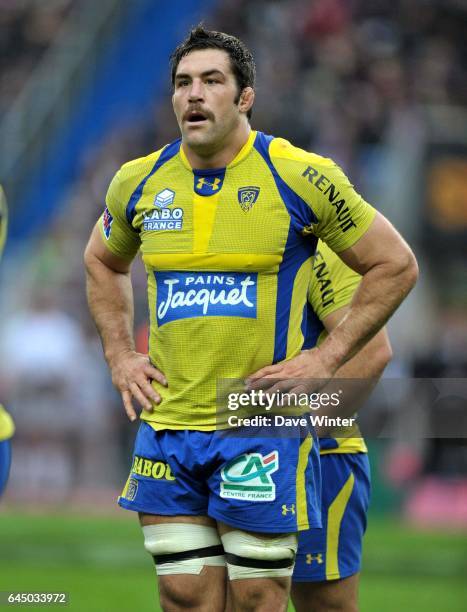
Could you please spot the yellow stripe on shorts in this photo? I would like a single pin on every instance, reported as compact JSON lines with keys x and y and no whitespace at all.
{"x":125,"y":488}
{"x":300,"y":485}
{"x":335,"y":514}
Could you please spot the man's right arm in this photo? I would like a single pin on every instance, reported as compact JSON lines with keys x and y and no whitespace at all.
{"x":110,"y":299}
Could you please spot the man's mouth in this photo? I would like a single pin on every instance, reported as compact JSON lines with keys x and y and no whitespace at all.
{"x":195,"y":116}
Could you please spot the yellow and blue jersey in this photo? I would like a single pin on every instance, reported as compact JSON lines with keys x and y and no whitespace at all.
{"x":228,"y":254}
{"x":332,"y":287}
{"x":7,"y":427}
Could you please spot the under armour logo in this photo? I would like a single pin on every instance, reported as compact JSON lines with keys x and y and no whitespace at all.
{"x":214,"y":185}
{"x":318,"y":558}
{"x":286,"y":509}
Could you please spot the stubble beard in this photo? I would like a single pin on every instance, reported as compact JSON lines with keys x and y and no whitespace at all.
{"x":204,"y":144}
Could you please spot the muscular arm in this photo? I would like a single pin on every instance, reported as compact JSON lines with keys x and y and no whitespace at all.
{"x":110,"y":299}
{"x":389,"y":271}
{"x":371,"y":360}
{"x":365,"y":368}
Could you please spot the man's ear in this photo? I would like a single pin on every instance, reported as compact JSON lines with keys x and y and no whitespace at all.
{"x":247,"y":98}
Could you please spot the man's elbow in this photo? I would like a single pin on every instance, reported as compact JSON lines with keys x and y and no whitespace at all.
{"x":89,"y":258}
{"x":413,"y":270}
{"x":380,"y":350}
{"x":407,"y":270}
{"x":384,"y":355}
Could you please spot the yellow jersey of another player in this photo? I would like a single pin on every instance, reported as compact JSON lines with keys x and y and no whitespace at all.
{"x":6,"y":423}
{"x":7,"y":427}
{"x":228,"y":254}
{"x":332,"y":287}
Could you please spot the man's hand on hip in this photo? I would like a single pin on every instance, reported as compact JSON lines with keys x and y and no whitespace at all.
{"x":132,"y":374}
{"x":302,"y":374}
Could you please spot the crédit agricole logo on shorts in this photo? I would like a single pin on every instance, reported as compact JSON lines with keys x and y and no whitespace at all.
{"x":184,"y":295}
{"x":249,"y":477}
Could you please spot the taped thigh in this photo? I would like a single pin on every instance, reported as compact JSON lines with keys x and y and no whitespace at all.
{"x":250,"y":556}
{"x":183,"y":548}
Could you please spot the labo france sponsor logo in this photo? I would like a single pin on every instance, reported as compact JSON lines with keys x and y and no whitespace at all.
{"x":183,"y":295}
{"x":165,"y":219}
{"x":152,"y":469}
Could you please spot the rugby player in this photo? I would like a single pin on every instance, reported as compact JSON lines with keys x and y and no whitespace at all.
{"x":328,"y":560}
{"x":227,"y":220}
{"x":6,"y":422}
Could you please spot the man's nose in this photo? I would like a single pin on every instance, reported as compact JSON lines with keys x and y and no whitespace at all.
{"x":196,"y":90}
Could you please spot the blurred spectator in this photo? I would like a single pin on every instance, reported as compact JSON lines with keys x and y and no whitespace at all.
{"x":27,"y":28}
{"x":59,"y":398}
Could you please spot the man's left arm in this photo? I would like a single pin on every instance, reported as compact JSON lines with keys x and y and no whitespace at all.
{"x":365,"y":369}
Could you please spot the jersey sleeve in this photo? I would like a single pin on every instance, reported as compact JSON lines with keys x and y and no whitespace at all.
{"x":117,"y":233}
{"x":333,"y":284}
{"x":339,"y":215}
{"x":343,"y":215}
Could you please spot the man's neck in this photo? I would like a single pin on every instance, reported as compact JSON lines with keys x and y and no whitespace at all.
{"x":223,"y":156}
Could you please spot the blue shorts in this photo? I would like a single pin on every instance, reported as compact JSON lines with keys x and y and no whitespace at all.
{"x":259,"y":484}
{"x":5,"y":461}
{"x":336,"y":550}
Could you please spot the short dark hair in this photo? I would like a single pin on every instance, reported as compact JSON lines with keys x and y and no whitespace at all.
{"x":241,"y":60}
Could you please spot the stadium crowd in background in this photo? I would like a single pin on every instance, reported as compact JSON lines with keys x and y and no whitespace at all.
{"x":27,"y":29}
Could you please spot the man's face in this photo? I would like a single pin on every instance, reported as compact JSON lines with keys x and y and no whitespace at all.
{"x":204,"y":99}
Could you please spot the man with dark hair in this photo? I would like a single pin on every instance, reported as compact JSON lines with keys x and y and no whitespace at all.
{"x":242,"y":63}
{"x":227,"y":220}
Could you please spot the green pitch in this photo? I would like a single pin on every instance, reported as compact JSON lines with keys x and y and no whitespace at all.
{"x":101,"y":563}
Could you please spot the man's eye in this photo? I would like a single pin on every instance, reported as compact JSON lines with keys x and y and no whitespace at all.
{"x":212,"y":81}
{"x":183,"y":83}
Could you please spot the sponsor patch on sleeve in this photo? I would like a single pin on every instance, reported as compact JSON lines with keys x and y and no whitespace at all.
{"x":107,"y":221}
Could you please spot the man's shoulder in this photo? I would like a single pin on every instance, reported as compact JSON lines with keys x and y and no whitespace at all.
{"x":141,"y":166}
{"x":133,"y":174}
{"x":300,"y":168}
{"x":282,"y":149}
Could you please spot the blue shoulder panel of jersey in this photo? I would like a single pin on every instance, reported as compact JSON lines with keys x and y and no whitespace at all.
{"x":297,"y":207}
{"x":170,"y":151}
